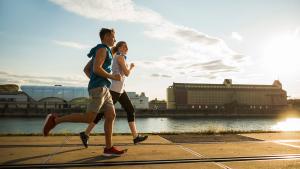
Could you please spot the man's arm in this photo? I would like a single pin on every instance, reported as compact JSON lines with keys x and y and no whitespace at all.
{"x":87,"y":69}
{"x":97,"y":66}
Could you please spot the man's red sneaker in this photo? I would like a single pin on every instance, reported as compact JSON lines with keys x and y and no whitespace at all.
{"x":113,"y":151}
{"x":49,"y":124}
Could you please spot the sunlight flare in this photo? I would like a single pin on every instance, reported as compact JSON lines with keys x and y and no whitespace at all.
{"x":290,"y":124}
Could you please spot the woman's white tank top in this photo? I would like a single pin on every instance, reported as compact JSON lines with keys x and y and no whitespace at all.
{"x":118,"y":86}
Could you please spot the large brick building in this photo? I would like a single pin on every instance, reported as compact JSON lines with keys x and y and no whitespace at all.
{"x":217,"y":96}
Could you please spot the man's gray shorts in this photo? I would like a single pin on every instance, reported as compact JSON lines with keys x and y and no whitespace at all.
{"x":100,"y":99}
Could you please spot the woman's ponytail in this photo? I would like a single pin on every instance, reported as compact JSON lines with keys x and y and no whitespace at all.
{"x":114,"y":50}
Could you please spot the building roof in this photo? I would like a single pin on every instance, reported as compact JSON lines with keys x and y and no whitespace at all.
{"x":9,"y":88}
{"x":228,"y":85}
{"x":66,"y":93}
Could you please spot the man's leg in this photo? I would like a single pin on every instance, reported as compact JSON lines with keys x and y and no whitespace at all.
{"x":109,"y":149}
{"x":52,"y":120}
{"x":84,"y":136}
{"x":110,"y":115}
{"x":115,"y":96}
{"x":108,"y":127}
{"x":77,"y":118}
{"x":95,"y":105}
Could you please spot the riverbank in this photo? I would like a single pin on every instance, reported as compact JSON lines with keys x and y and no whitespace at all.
{"x":156,"y":113}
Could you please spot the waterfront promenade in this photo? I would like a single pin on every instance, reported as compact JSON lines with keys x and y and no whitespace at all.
{"x":231,"y":151}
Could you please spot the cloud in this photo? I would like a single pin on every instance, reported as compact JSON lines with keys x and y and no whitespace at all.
{"x":194,"y":46}
{"x":194,"y":36}
{"x":193,"y":65}
{"x":206,"y":76}
{"x":238,"y":57}
{"x":167,"y":76}
{"x":155,"y":75}
{"x":236,"y":36}
{"x":107,"y":10}
{"x":161,"y":75}
{"x":21,"y":79}
{"x":71,"y":44}
{"x":3,"y":73}
{"x":214,"y":65}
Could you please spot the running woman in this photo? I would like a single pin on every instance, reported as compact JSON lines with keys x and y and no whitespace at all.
{"x":118,"y":93}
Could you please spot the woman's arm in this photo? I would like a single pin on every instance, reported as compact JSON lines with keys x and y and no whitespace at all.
{"x":124,"y":67}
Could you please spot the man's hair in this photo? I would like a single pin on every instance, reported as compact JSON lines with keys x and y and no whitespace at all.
{"x":105,"y":31}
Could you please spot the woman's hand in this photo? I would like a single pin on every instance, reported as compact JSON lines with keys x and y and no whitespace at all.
{"x":132,"y":65}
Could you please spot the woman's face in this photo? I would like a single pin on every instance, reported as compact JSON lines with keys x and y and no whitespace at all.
{"x":123,"y":49}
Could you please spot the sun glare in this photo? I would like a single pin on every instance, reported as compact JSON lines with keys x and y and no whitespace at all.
{"x":290,"y":124}
{"x":282,"y":54}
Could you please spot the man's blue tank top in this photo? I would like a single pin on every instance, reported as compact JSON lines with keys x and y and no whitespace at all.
{"x":95,"y":80}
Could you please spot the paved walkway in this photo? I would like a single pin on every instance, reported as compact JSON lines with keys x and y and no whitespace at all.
{"x":244,"y":151}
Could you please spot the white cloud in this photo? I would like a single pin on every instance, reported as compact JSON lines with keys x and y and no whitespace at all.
{"x":71,"y":44}
{"x":193,"y":46}
{"x":160,"y":75}
{"x":194,"y":61}
{"x":107,"y":10}
{"x":236,"y":36}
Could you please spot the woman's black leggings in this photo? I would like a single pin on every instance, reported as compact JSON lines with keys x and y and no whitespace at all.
{"x":125,"y":102}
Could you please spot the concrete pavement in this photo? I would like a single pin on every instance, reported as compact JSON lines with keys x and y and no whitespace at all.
{"x":243,"y":151}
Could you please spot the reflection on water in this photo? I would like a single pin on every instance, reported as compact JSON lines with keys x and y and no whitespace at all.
{"x":158,"y":125}
{"x":290,"y":124}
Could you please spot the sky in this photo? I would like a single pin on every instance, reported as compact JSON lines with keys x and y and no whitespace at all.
{"x":171,"y":41}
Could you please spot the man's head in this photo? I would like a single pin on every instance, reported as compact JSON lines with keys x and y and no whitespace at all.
{"x":107,"y":36}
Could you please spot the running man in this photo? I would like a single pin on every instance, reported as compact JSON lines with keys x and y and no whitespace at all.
{"x":117,"y":92}
{"x":100,"y":98}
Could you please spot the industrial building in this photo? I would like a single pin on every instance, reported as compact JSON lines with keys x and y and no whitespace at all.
{"x":157,"y":104}
{"x":221,"y":96}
